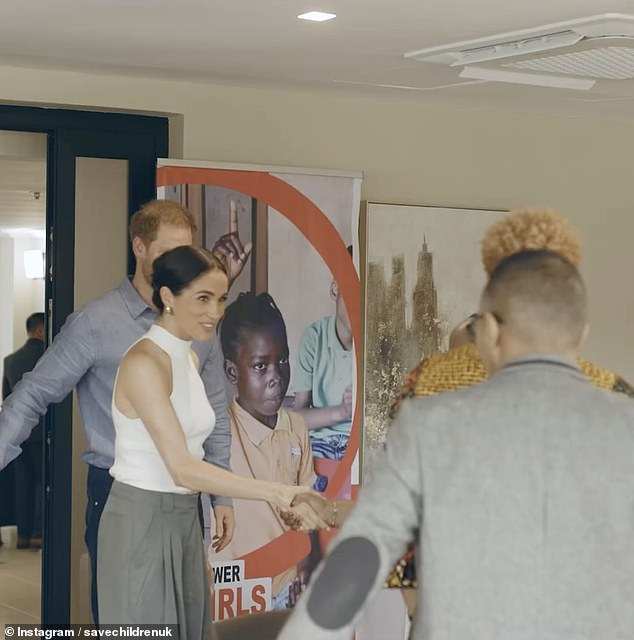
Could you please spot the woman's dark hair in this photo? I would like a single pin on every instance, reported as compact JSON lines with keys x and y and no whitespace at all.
{"x":248,"y":311}
{"x":178,"y":268}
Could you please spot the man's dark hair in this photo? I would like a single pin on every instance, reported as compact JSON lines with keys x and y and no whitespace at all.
{"x":34,"y":321}
{"x":248,"y":311}
{"x":178,"y":268}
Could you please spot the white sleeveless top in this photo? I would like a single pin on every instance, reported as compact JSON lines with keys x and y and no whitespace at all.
{"x":137,"y":461}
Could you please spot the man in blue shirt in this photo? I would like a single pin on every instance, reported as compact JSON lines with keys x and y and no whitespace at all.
{"x":86,"y":353}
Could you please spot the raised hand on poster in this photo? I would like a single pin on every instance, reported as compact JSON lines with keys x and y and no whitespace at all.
{"x":229,"y":248}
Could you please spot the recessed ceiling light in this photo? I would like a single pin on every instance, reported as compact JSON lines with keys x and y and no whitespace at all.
{"x":316,"y":16}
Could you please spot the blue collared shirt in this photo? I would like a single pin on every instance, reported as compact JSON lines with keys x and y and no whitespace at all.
{"x":85,"y":355}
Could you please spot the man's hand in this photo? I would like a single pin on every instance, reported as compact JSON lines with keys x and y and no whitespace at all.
{"x":229,"y":248}
{"x":225,"y":525}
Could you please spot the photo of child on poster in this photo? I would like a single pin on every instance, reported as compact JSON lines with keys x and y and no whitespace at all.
{"x":290,"y":367}
{"x":268,"y":441}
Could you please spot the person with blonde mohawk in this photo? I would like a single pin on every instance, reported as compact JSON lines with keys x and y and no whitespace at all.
{"x":461,"y":366}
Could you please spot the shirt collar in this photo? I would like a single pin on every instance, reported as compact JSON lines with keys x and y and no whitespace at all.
{"x":133,"y":301}
{"x":254,"y":429}
{"x":542,"y":359}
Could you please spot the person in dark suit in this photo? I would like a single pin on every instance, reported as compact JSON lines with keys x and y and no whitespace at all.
{"x":28,"y":466}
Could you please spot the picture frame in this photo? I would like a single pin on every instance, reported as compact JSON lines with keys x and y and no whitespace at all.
{"x":422,"y":275}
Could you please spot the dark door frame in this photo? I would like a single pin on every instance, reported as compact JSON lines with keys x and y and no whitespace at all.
{"x":140,"y":140}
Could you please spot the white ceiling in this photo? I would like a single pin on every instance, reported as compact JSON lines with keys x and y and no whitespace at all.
{"x":261,"y":43}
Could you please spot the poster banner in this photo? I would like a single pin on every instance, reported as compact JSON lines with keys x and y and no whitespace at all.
{"x":234,"y":595}
{"x":298,"y":231}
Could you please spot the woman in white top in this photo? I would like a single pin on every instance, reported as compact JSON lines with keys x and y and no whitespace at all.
{"x":151,"y":563}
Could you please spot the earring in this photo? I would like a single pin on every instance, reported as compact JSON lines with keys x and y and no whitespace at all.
{"x":168,"y":309}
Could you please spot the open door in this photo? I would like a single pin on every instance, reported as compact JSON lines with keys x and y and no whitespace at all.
{"x":101,"y":168}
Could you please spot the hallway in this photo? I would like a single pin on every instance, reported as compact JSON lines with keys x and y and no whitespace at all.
{"x":19,"y":582}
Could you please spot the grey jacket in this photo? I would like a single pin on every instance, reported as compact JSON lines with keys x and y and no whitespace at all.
{"x":520,"y":493}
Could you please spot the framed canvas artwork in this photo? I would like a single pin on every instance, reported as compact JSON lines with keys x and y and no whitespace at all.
{"x":423,"y":276}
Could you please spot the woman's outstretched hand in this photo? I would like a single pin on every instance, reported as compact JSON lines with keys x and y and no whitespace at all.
{"x":285,"y":495}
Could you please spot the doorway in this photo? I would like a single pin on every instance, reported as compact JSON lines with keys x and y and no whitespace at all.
{"x":22,"y":259}
{"x":78,"y":145}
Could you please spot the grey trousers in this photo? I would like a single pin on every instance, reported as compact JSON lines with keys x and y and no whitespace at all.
{"x":151,"y":565}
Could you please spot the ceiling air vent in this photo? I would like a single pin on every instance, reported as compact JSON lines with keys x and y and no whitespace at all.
{"x":584,"y":50}
{"x":606,"y":63}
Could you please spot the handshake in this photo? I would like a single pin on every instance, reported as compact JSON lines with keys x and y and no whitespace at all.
{"x":310,"y":511}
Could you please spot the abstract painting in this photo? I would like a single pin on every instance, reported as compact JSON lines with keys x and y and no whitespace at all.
{"x":423,"y":276}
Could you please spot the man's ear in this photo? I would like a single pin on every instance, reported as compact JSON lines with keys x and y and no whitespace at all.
{"x":138,"y":246}
{"x":492,"y":328}
{"x":231,"y":371}
{"x":488,"y":342}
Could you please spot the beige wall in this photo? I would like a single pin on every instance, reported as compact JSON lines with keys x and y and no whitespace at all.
{"x":409,"y":153}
